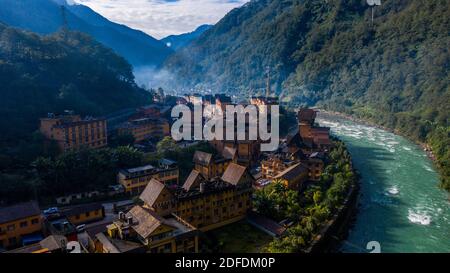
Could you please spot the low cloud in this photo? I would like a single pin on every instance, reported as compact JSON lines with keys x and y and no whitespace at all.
{"x":161,"y":18}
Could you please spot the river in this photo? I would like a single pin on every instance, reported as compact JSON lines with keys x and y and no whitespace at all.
{"x":401,"y":206}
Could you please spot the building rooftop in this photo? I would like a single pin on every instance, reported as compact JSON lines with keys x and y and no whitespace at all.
{"x":211,"y":186}
{"x":233,"y":173}
{"x":140,"y":169}
{"x":194,"y":179}
{"x":152,"y":191}
{"x":50,"y":244}
{"x":70,"y":123}
{"x":76,"y":210}
{"x":19,"y":211}
{"x":229,"y":153}
{"x":307,"y":115}
{"x":202,"y":158}
{"x":61,"y":225}
{"x":167,"y":162}
{"x":145,"y":221}
{"x":292,"y":172}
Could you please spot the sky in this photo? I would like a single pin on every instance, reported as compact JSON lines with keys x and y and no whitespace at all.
{"x":161,"y":18}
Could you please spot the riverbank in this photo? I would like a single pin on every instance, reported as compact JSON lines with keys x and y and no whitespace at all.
{"x":337,"y":229}
{"x":401,"y":205}
{"x":424,"y":146}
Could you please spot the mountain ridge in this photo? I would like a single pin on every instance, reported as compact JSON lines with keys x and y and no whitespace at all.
{"x":182,"y":40}
{"x":46,"y":16}
{"x":394,"y":71}
{"x":64,"y":70}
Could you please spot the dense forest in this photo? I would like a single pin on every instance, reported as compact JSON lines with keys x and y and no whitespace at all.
{"x":394,"y":72}
{"x":66,"y":70}
{"x":48,"y":16}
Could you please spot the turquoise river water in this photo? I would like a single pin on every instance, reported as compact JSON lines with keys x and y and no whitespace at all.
{"x":401,"y":206}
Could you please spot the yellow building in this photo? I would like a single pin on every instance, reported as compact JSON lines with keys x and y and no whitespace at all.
{"x":17,"y":221}
{"x":294,"y":177}
{"x":210,"y":166}
{"x":84,"y":214}
{"x":248,"y":151}
{"x":51,"y":244}
{"x":206,"y":204}
{"x":71,"y":132}
{"x":271,"y":167}
{"x":143,"y":227}
{"x":136,"y":179}
{"x":145,"y":128}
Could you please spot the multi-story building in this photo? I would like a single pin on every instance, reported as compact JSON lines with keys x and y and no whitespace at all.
{"x":18,"y":222}
{"x":211,"y":166}
{"x":136,"y":179}
{"x":142,"y":226}
{"x":145,"y":128}
{"x":312,"y":135}
{"x":248,"y":151}
{"x":71,"y":132}
{"x":204,"y":204}
{"x":83,"y":214}
{"x":294,"y":177}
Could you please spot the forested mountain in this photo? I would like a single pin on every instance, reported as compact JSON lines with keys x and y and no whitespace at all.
{"x":47,"y":16}
{"x":327,"y":53}
{"x":65,"y":70}
{"x":177,"y":42}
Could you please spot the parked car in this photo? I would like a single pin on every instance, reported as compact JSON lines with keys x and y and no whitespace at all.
{"x":81,"y":228}
{"x":51,"y":211}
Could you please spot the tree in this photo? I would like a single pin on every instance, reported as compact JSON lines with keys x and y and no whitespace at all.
{"x":317,"y":197}
{"x":167,"y":147}
{"x":121,"y":140}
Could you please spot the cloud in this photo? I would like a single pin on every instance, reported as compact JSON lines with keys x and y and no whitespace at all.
{"x":161,"y":18}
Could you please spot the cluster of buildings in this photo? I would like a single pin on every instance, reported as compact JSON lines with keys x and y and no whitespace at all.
{"x":148,"y":123}
{"x":301,"y":157}
{"x":248,"y":151}
{"x":170,"y":219}
{"x":170,"y":214}
{"x":72,"y":132}
{"x":24,"y":228}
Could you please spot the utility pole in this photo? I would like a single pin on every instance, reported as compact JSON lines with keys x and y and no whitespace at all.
{"x":268,"y":89}
{"x":373,"y":4}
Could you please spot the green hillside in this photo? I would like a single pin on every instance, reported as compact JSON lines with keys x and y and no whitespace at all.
{"x":67,"y":70}
{"x":327,"y":53}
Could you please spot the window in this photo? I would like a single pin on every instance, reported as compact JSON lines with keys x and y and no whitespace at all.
{"x":88,"y":214}
{"x":11,"y":227}
{"x":23,"y":224}
{"x":34,"y":221}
